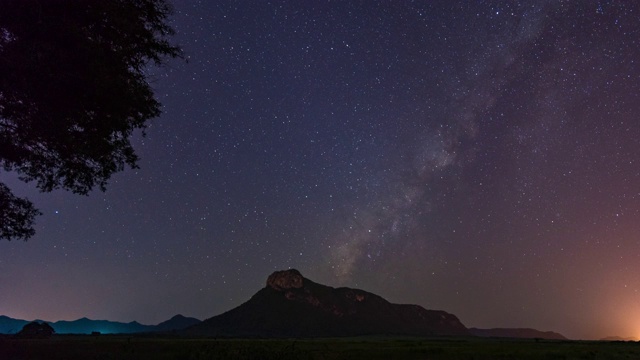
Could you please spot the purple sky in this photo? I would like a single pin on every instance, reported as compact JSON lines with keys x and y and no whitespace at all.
{"x":479,"y":158}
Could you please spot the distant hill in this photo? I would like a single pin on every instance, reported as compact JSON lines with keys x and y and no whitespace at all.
{"x":87,"y":326}
{"x":517,"y":333}
{"x":11,"y":326}
{"x":293,"y":306}
{"x":177,"y":322}
{"x":619,"y":338}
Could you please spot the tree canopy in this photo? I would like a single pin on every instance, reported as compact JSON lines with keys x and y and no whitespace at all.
{"x":37,"y":330}
{"x":73,"y":89}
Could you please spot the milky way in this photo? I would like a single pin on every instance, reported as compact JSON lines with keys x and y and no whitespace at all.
{"x":474,"y":157}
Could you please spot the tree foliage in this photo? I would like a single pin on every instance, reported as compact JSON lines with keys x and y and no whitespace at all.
{"x":16,"y":215}
{"x":73,"y":89}
{"x":36,"y":330}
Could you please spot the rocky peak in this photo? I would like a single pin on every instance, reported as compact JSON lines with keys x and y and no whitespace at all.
{"x":286,"y":279}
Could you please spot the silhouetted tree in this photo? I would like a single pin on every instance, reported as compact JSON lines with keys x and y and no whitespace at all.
{"x":16,"y":215}
{"x":36,"y":330}
{"x":73,"y":88}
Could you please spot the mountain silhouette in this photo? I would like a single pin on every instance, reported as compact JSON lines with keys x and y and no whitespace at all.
{"x":177,"y":322}
{"x":619,"y":338}
{"x":11,"y":326}
{"x":293,"y":306}
{"x":522,"y":333}
{"x":88,"y":326}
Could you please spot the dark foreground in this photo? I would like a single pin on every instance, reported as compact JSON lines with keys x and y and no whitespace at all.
{"x":120,"y":347}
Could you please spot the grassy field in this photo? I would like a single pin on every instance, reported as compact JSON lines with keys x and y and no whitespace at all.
{"x":119,"y":347}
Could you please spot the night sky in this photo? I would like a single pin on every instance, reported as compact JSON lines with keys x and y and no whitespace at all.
{"x":479,"y":157}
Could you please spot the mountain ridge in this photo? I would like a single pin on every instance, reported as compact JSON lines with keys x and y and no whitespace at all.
{"x":517,"y":333}
{"x":293,"y":306}
{"x":619,"y":338}
{"x":85,"y":325}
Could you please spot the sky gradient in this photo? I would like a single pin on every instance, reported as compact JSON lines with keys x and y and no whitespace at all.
{"x":476,"y":157}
